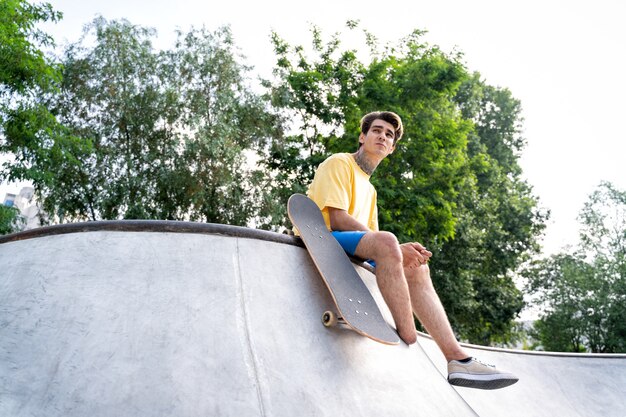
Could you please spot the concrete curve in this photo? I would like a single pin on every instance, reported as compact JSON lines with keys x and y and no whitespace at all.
{"x":182,"y":319}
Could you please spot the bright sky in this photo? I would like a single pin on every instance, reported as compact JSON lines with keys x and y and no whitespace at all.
{"x":565,"y":60}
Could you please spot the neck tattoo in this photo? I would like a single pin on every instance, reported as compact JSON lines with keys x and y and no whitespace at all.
{"x":367,"y":166}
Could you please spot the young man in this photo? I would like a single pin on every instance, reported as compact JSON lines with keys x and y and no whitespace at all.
{"x":347,"y":199}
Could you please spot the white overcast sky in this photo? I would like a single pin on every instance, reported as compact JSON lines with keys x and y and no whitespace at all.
{"x":565,"y":60}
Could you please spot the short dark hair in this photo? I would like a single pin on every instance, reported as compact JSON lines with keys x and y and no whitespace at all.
{"x":387,"y":116}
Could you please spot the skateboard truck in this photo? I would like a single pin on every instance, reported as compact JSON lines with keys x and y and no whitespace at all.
{"x":331,"y":319}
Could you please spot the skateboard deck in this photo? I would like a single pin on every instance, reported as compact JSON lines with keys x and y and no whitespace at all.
{"x":355,"y":304}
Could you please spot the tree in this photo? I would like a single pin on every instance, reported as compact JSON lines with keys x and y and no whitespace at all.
{"x":454,"y":182}
{"x":30,"y":136}
{"x":164,"y":132}
{"x":10,"y":220}
{"x":227,"y":123}
{"x":583,"y":293}
{"x":498,"y":219}
{"x":314,"y":98}
{"x":326,"y":98}
{"x":24,"y":68}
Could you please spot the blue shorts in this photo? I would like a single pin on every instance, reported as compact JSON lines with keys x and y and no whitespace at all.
{"x":349,"y":241}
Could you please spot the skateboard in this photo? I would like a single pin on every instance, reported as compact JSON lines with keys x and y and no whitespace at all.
{"x":356,"y":308}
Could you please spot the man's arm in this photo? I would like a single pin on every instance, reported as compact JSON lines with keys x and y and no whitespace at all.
{"x":341,"y":220}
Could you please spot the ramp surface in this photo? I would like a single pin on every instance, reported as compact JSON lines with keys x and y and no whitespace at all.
{"x":178,"y":319}
{"x":132,"y":323}
{"x":551,"y":384}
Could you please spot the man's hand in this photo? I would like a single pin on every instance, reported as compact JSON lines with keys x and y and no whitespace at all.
{"x":414,"y":254}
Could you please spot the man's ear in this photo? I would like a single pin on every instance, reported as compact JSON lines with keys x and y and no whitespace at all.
{"x":361,"y":138}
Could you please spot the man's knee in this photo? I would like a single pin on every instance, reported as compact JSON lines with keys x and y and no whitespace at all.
{"x":387,"y":247}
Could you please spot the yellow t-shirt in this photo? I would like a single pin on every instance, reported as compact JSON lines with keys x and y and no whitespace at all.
{"x":340,"y":183}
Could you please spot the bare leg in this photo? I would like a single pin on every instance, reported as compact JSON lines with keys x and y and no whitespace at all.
{"x":383,"y":248}
{"x":429,"y":310}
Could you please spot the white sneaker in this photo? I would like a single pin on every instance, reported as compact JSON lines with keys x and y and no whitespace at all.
{"x":475,"y":374}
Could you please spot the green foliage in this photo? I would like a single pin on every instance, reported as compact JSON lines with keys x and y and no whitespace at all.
{"x":10,"y":220}
{"x":420,"y":181}
{"x":314,"y":98}
{"x":29,"y":132}
{"x":497,"y":220}
{"x":326,"y":96}
{"x":454,"y":181}
{"x":223,"y":120}
{"x":564,"y":278}
{"x":153,"y":135}
{"x":583,"y":294}
{"x":23,"y":66}
{"x":45,"y":152}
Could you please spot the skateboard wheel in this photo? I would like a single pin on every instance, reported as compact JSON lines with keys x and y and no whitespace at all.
{"x":329,"y":319}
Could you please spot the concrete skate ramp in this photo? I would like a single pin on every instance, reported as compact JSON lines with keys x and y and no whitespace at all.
{"x":177,"y":319}
{"x":183,"y":319}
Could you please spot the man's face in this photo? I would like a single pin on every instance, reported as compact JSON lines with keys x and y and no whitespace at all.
{"x":378,"y":142}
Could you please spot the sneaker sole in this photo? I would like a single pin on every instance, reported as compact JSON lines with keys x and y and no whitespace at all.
{"x":486,"y":382}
